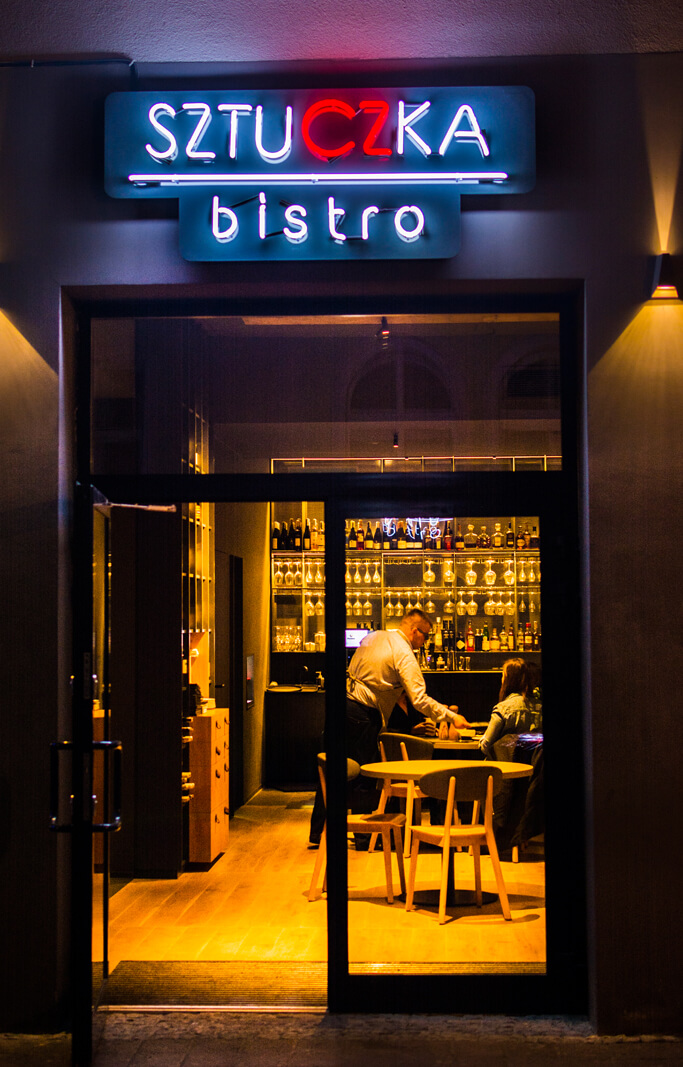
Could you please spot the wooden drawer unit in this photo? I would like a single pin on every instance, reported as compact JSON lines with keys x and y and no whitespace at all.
{"x":209,"y":764}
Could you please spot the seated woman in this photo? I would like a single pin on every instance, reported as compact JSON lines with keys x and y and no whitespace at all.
{"x":515,"y":712}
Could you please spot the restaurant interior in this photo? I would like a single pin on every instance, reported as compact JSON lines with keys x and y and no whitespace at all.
{"x":210,"y":634}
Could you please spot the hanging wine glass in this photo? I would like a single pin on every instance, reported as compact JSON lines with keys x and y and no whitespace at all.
{"x":377,"y":577}
{"x":310,"y":609}
{"x":418,"y":603}
{"x":398,"y":610}
{"x":309,"y":574}
{"x":347,"y":576}
{"x":448,"y":573}
{"x":532,"y":573}
{"x":409,"y":606}
{"x":367,"y":577}
{"x":389,"y":610}
{"x":430,"y":608}
{"x":538,"y":570}
{"x":490,"y":605}
{"x":509,"y":574}
{"x":470,"y":573}
{"x":349,"y":607}
{"x":460,"y":606}
{"x":522,"y":573}
{"x":522,"y":605}
{"x":277,"y":577}
{"x":510,"y":606}
{"x":500,"y":606}
{"x":532,"y":605}
{"x":319,"y":575}
{"x":448,"y":608}
{"x":357,"y":607}
{"x":357,"y":578}
{"x":289,"y":577}
{"x":489,"y":573}
{"x":429,"y":575}
{"x":367,"y":607}
{"x":319,"y":606}
{"x":297,"y":574}
{"x":471,"y":605}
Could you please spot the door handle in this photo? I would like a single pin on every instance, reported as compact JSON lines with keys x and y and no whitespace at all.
{"x":56,"y":749}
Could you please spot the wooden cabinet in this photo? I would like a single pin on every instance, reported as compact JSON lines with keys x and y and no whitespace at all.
{"x":210,"y":775}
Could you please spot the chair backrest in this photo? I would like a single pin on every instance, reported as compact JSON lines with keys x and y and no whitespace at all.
{"x":416,"y":747}
{"x":470,"y":782}
{"x":352,"y":771}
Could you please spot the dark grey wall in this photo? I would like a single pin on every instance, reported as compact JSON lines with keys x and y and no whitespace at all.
{"x":609,"y":154}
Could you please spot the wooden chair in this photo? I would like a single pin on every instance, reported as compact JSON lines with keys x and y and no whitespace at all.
{"x":403,"y":746}
{"x":377,"y":822}
{"x":479,"y":784}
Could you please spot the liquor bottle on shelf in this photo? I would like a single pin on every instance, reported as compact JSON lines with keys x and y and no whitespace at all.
{"x":497,"y":541}
{"x":459,"y":540}
{"x":509,"y":537}
{"x":275,"y":537}
{"x":520,"y":637}
{"x":483,"y":540}
{"x":321,"y":537}
{"x":460,"y":642}
{"x":470,"y":538}
{"x":307,"y":537}
{"x":478,"y":640}
{"x":369,"y":537}
{"x":378,"y":538}
{"x":360,"y":538}
{"x":536,"y":637}
{"x":528,"y":637}
{"x":438,"y":637}
{"x":485,"y":644}
{"x":448,"y":537}
{"x":297,"y":536}
{"x":401,"y":542}
{"x":495,"y":641}
{"x":384,"y":538}
{"x":393,"y":541}
{"x":534,"y":542}
{"x":314,"y":535}
{"x":437,"y":540}
{"x":520,"y":543}
{"x":503,"y":639}
{"x":417,"y":535}
{"x":351,"y":541}
{"x":470,"y":643}
{"x":527,"y":536}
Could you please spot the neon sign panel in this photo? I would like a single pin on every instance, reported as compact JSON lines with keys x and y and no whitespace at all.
{"x":320,"y":174}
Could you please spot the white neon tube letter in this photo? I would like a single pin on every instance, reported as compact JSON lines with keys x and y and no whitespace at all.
{"x":334,"y":213}
{"x":218,"y":213}
{"x":418,"y":229}
{"x":281,"y":153}
{"x":365,"y":219}
{"x":473,"y":133}
{"x":172,"y":151}
{"x":405,"y":123}
{"x":262,"y":216}
{"x":300,"y":233}
{"x":235,"y":111}
{"x":204,"y":112}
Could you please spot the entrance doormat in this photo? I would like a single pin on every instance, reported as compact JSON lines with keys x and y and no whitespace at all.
{"x":221,"y":983}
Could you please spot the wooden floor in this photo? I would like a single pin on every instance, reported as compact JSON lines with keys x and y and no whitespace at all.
{"x":252,"y":905}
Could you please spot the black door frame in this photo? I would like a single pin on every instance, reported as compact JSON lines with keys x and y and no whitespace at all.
{"x":555,"y":496}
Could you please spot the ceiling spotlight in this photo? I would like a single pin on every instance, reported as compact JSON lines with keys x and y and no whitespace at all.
{"x":383,"y":335}
{"x":663,"y":281}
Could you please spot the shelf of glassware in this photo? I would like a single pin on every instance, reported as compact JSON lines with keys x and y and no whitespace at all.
{"x":497,"y":589}
{"x":298,"y":602}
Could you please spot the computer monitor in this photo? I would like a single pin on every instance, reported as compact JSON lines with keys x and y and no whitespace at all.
{"x":355,"y":636}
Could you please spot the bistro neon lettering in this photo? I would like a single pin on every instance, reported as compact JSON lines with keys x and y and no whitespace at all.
{"x":463,"y":128}
{"x":409,"y":221}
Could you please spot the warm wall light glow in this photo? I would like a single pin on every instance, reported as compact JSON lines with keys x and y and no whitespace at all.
{"x":664,"y":283}
{"x":663,"y":131}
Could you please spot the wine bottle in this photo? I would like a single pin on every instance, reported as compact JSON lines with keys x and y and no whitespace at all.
{"x":478,"y":640}
{"x":401,"y":538}
{"x":385,"y":539}
{"x":297,"y":536}
{"x":379,"y":540}
{"x":417,"y":535}
{"x":307,"y":537}
{"x":314,"y":535}
{"x":360,"y":538}
{"x":275,"y":537}
{"x":528,"y":638}
{"x":393,"y":542}
{"x":369,"y":537}
{"x":459,"y":540}
{"x":352,"y":542}
{"x":448,"y":538}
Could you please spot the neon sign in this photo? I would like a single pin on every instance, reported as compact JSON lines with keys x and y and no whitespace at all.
{"x":320,"y":174}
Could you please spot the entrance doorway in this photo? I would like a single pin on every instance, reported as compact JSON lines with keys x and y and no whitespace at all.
{"x":478,"y":485}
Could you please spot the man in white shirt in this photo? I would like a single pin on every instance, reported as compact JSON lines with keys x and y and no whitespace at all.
{"x":383,"y":672}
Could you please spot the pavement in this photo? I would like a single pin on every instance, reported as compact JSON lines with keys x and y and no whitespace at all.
{"x":304,"y":1039}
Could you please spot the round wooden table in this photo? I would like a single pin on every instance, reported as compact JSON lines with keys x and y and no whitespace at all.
{"x":411,"y":770}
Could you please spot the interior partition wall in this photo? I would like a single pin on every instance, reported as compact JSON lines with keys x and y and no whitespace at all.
{"x":552,"y":494}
